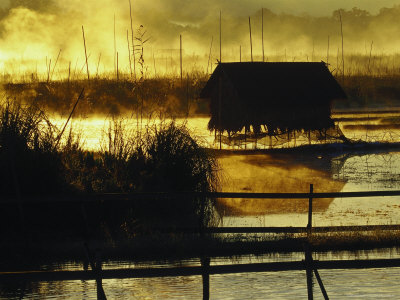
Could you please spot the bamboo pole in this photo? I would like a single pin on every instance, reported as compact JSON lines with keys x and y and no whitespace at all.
{"x":98,"y":64}
{"x":262,"y":32}
{"x":133,"y":44}
{"x":313,"y":51}
{"x":48,"y":71}
{"x":129,"y":52}
{"x":341,"y":32}
{"x":180,"y":54}
{"x":251,"y":43}
{"x":115,"y":51}
{"x":155,"y":69}
{"x":84,"y":44}
{"x":209,"y":56}
{"x":69,"y":71}
{"x":220,"y":36}
{"x":219,"y":111}
{"x":327,"y":53}
{"x":69,"y":117}
{"x":52,"y":72}
{"x":187,"y":95}
{"x":117,"y":68}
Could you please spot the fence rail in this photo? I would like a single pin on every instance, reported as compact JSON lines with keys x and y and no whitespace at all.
{"x":197,"y":270}
{"x":205,"y":270}
{"x":183,"y":195}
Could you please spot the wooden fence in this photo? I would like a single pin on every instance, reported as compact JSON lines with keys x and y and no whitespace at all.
{"x":205,"y":270}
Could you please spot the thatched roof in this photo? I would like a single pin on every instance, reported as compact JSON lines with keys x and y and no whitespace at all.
{"x":282,"y":96}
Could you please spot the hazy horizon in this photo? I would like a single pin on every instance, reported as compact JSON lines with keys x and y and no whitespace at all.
{"x":34,"y":32}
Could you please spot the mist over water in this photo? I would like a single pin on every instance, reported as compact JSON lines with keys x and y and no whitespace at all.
{"x":33,"y":32}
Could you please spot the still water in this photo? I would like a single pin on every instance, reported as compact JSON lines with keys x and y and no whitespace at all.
{"x":261,"y":172}
{"x":380,"y":283}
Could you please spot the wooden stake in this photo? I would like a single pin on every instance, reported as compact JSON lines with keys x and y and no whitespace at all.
{"x":251,"y":43}
{"x":84,"y":44}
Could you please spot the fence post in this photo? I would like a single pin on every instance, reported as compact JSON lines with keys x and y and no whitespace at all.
{"x":309,"y":273}
{"x":310,"y":202}
{"x":205,"y":263}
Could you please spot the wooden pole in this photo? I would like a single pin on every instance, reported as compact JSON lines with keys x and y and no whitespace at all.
{"x":84,"y":44}
{"x":310,"y":204}
{"x":240,"y":53}
{"x":308,"y":263}
{"x":251,"y":43}
{"x":180,"y":54}
{"x":133,"y":44}
{"x":205,"y":263}
{"x":310,"y":267}
{"x":220,"y":36}
{"x":95,"y":265}
{"x":262,"y":32}
{"x":321,"y":285}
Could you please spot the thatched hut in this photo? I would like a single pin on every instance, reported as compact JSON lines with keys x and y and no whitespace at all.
{"x":270,"y":97}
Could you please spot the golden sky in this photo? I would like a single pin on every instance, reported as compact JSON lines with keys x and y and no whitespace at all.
{"x":34,"y":31}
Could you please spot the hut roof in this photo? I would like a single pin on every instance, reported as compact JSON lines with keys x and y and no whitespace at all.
{"x":291,"y":81}
{"x":279,"y":96}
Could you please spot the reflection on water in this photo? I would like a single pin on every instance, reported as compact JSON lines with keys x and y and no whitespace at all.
{"x":294,"y":173}
{"x":340,"y":284}
{"x":275,"y":173}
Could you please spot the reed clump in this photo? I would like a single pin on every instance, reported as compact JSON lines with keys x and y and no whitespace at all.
{"x":36,"y":160}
